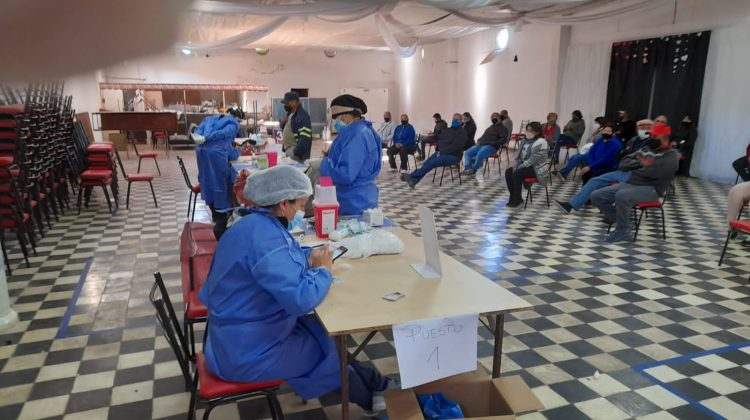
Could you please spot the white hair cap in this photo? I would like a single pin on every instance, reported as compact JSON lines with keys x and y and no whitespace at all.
{"x":274,"y":185}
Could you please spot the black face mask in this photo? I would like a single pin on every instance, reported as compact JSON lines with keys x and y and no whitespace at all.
{"x":404,"y":122}
{"x":503,"y":117}
{"x":687,"y":123}
{"x":288,"y":108}
{"x":606,"y":136}
{"x":653,"y":143}
{"x":494,"y":120}
{"x":387,"y":119}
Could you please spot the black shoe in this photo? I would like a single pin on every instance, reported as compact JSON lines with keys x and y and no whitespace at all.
{"x":514,"y":205}
{"x":564,"y":206}
{"x":410,"y":181}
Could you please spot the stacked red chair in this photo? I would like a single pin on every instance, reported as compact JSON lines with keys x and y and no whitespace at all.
{"x":197,"y":248}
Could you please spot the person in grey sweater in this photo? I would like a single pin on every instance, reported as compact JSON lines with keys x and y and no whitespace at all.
{"x":572,"y":133}
{"x":531,"y":162}
{"x":647,"y":183}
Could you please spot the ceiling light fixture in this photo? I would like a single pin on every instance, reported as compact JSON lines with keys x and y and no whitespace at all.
{"x":330,"y":53}
{"x":501,"y":40}
{"x":186,"y":51}
{"x":262,"y":51}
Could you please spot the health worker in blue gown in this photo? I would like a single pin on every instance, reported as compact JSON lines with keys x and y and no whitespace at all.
{"x":214,"y":139}
{"x":354,"y":159}
{"x":260,"y":291}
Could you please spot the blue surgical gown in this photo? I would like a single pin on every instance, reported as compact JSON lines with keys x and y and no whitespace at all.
{"x":258,"y":292}
{"x":214,"y":173}
{"x":354,"y":163}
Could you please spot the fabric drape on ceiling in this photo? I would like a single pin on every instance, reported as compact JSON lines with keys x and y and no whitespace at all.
{"x":722,"y":132}
{"x":678,"y":85}
{"x":631,"y":76}
{"x":585,"y":78}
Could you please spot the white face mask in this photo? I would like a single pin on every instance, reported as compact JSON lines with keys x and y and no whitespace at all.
{"x":529,"y":136}
{"x":643,"y":134}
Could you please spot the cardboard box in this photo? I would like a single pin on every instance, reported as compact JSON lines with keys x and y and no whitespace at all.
{"x":119,"y":140}
{"x":480,"y":398}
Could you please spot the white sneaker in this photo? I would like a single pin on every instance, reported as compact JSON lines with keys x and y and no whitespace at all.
{"x":403,"y":171}
{"x":392,"y":169}
{"x":378,"y":402}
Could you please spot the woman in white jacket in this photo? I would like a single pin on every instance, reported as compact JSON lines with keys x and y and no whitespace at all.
{"x":532,"y":162}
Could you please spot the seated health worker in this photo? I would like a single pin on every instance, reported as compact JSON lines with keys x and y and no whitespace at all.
{"x":354,"y":159}
{"x":260,"y":290}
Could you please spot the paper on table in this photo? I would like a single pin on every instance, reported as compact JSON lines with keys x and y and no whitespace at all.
{"x":431,"y":349}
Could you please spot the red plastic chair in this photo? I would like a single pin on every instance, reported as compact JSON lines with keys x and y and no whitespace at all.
{"x":205,"y":387}
{"x":147,"y":155}
{"x":131,"y":178}
{"x":529,"y":183}
{"x":91,"y":178}
{"x":496,"y":159}
{"x":735,"y":225}
{"x":195,"y":189}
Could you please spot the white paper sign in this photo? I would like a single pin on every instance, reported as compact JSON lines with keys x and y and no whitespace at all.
{"x":431,"y":268}
{"x":431,"y":349}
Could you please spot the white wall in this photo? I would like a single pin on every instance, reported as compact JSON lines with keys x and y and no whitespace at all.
{"x":526,"y":88}
{"x":85,"y":91}
{"x":280,"y":70}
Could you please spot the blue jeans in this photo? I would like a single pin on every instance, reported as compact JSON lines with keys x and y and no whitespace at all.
{"x":480,"y":154}
{"x":435,"y":161}
{"x":594,"y":184}
{"x":577,"y":160}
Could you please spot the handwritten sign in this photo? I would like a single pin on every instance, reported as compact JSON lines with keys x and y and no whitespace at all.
{"x":431,"y":349}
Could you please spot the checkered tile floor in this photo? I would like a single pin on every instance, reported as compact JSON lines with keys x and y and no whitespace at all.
{"x":90,"y":349}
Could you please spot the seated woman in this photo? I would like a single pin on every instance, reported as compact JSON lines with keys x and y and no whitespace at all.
{"x":602,"y":157}
{"x":260,"y":290}
{"x":532,"y":162}
{"x":572,"y":133}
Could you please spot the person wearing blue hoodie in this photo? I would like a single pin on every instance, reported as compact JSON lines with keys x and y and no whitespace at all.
{"x":600,"y":159}
{"x":213,"y":150}
{"x":354,"y":159}
{"x":404,"y":144}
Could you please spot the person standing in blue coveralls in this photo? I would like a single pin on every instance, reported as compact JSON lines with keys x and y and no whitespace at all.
{"x":354,"y":159}
{"x":213,"y":150}
{"x":260,"y":290}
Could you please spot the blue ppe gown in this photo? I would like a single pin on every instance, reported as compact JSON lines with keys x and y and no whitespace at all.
{"x":353,"y":163}
{"x":215,"y":175}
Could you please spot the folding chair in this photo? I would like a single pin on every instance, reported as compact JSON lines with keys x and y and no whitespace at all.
{"x":528,"y":184}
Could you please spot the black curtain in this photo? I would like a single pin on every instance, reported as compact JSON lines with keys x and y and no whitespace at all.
{"x":679,"y":76}
{"x":668,"y":70}
{"x":631,"y":75}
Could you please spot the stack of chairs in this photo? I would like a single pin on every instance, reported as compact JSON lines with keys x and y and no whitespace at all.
{"x":36,"y":170}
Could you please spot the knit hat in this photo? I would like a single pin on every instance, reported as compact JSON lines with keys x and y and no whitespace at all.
{"x":645,"y":122}
{"x":660,"y":129}
{"x":347,"y":103}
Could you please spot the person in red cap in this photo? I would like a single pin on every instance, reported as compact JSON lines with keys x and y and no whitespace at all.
{"x":655,"y":172}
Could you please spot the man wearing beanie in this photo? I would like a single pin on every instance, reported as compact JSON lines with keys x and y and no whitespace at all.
{"x":354,"y":159}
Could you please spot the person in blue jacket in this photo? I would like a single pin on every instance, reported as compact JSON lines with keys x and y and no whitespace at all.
{"x":214,"y":149}
{"x":353,"y":161}
{"x":260,"y":290}
{"x":404,"y":144}
{"x":599,"y":159}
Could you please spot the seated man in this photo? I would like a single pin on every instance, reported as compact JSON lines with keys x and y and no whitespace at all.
{"x":440,"y":125}
{"x":742,"y":165}
{"x":450,"y":149}
{"x":628,"y":164}
{"x":648,"y":183}
{"x":404,"y":144}
{"x":636,"y":142}
{"x":572,"y":133}
{"x":261,"y":289}
{"x":602,"y":157}
{"x":494,"y":137}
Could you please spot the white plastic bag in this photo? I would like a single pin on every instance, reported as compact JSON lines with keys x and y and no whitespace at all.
{"x":376,"y":242}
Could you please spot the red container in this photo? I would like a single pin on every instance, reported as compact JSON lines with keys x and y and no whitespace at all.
{"x":326,"y":219}
{"x":273,"y":159}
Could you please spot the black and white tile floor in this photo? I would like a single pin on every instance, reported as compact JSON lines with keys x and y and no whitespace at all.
{"x":668,"y":330}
